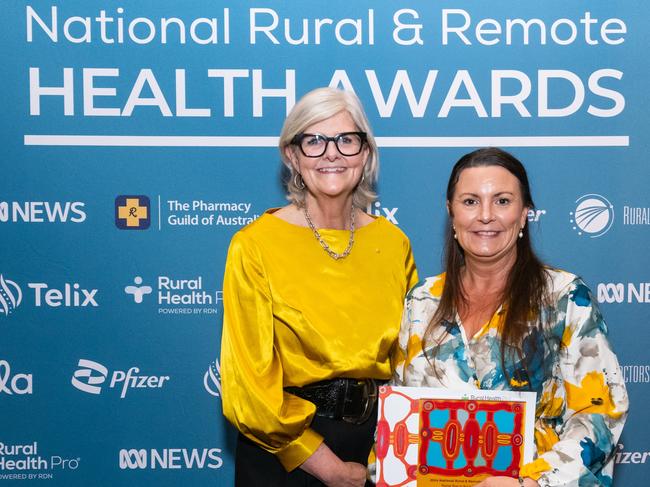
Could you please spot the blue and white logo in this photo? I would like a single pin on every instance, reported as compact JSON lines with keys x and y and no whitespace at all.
{"x":593,"y":215}
{"x":212,"y":379}
{"x":10,"y":296}
{"x":138,"y":291}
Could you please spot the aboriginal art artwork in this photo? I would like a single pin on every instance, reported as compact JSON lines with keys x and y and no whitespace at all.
{"x":447,"y":442}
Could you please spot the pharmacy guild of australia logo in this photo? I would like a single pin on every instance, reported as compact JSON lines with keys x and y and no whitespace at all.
{"x":137,"y":290}
{"x":593,"y":215}
{"x":10,"y":296}
{"x":132,"y":212}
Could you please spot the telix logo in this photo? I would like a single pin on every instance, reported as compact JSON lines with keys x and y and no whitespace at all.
{"x":132,"y":212}
{"x":10,"y":296}
{"x":212,"y":379}
{"x":71,"y":295}
{"x":90,"y":376}
{"x":42,"y":212}
{"x":170,"y":458}
{"x":18,"y":384}
{"x":378,"y":210}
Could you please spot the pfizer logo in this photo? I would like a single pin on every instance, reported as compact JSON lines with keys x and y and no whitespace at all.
{"x":593,"y":215}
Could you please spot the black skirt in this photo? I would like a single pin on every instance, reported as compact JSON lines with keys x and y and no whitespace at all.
{"x":255,"y":467}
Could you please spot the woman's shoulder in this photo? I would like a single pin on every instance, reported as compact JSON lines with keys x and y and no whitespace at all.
{"x":428,"y":288}
{"x":384,"y":228}
{"x":559,"y":279}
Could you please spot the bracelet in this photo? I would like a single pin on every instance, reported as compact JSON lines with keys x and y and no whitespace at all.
{"x":521,"y":480}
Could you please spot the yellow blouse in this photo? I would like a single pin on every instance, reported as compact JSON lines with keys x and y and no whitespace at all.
{"x":294,"y":316}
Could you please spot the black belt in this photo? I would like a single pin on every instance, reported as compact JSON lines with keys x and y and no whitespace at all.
{"x":351,"y":400}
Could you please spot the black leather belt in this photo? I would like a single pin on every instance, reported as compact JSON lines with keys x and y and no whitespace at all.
{"x":350,"y":400}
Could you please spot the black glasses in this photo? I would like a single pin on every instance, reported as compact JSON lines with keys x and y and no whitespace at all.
{"x":315,"y":145}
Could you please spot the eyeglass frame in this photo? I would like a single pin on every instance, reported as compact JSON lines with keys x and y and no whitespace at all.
{"x":298,"y":138}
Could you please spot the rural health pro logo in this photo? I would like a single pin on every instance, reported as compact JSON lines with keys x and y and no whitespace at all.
{"x":593,"y":215}
{"x":10,"y":296}
{"x":132,"y":212}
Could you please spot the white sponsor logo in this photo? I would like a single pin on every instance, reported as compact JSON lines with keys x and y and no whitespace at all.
{"x":631,"y":292}
{"x":212,"y":379}
{"x":593,"y":215}
{"x":18,"y":384}
{"x":636,"y":374}
{"x":177,"y":296}
{"x":627,"y":457}
{"x":70,"y":295}
{"x":636,"y":215}
{"x":42,"y":212}
{"x":535,"y":215}
{"x":170,"y":458}
{"x":378,"y":210}
{"x":84,"y":380}
{"x":208,"y":213}
{"x":24,"y":462}
{"x":10,"y":296}
{"x":138,"y":292}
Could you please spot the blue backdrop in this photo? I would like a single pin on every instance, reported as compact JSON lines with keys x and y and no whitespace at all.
{"x":139,"y":136}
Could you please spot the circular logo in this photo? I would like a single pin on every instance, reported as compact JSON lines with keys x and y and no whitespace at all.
{"x":593,"y":216}
{"x":10,"y":296}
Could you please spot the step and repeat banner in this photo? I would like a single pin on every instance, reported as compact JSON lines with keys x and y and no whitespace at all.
{"x":139,"y":136}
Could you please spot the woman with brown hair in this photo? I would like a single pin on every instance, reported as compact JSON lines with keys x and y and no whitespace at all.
{"x":499,"y":319}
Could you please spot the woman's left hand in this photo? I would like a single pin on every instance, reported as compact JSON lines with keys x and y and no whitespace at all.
{"x":506,"y":482}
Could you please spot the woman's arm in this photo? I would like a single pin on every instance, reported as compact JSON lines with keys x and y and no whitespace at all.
{"x":578,"y":450}
{"x":332,"y":471}
{"x":252,"y":376}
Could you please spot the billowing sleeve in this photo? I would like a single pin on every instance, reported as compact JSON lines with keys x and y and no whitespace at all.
{"x":576,"y":443}
{"x":251,"y":372}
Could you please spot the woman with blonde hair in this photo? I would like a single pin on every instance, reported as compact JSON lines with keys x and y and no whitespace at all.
{"x":313,"y":293}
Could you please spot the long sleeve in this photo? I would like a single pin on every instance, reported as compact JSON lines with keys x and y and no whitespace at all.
{"x":252,"y":375}
{"x":577,"y":432}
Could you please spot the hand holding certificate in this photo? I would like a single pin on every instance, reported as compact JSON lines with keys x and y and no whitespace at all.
{"x":445,"y":438}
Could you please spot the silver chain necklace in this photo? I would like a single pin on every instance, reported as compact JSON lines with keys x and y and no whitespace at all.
{"x":323,"y":243}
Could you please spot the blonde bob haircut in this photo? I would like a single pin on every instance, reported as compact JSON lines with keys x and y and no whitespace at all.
{"x":316,"y":106}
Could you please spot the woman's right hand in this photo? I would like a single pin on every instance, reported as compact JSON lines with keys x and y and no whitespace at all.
{"x":351,"y":475}
{"x":332,"y":471}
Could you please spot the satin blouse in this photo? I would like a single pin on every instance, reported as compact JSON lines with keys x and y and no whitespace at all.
{"x":294,"y":316}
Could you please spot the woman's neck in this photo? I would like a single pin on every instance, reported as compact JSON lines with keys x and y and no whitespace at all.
{"x":330,"y":213}
{"x":486,"y":277}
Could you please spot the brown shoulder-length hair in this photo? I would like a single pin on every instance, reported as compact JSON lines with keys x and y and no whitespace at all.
{"x":526,"y":289}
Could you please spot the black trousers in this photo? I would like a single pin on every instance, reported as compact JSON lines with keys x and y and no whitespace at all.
{"x":255,"y":467}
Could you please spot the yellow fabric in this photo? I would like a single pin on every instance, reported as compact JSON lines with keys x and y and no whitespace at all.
{"x":294,"y":316}
{"x":535,"y":469}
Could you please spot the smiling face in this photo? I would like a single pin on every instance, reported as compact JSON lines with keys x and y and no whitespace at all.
{"x":331,"y":175}
{"x":487,"y":211}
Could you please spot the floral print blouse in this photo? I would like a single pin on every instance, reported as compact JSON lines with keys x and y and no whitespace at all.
{"x":581,"y":397}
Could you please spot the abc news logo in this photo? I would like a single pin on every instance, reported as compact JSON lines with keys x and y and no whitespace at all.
{"x":42,"y":212}
{"x":631,"y":292}
{"x":170,"y":458}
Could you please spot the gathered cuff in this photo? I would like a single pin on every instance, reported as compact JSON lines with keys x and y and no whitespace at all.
{"x":295,"y":453}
